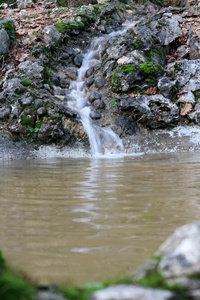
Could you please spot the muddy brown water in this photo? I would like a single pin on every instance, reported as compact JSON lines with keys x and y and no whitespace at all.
{"x":75,"y":220}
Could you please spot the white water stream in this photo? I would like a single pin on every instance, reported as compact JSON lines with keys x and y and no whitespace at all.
{"x":102,"y":140}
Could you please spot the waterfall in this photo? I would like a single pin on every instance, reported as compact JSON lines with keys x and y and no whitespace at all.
{"x":102,"y":140}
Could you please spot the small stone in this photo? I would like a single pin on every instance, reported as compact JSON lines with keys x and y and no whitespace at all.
{"x":78,"y":60}
{"x":94,"y":115}
{"x":89,"y":81}
{"x":51,"y":34}
{"x":89,"y":72}
{"x":41,"y":111}
{"x":100,"y":82}
{"x":38,"y":103}
{"x":99,"y":104}
{"x":27,"y":101}
{"x":93,"y":96}
{"x":72,"y":73}
{"x":55,"y":81}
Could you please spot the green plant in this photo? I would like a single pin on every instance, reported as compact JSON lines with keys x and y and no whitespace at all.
{"x":113,"y":103}
{"x":128,"y":68}
{"x":26,"y":82}
{"x":149,"y":68}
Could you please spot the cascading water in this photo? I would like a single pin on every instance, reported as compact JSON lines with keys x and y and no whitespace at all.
{"x":102,"y":140}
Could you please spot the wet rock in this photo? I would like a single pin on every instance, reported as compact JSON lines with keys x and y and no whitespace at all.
{"x":51,"y":35}
{"x":4,"y":112}
{"x":31,"y":69}
{"x":89,"y":81}
{"x":38,"y":103}
{"x":181,"y":252}
{"x":72,"y":73}
{"x":98,"y":104}
{"x":78,"y":60}
{"x":94,"y":96}
{"x":94,"y":115}
{"x":58,"y":90}
{"x":89,"y":72}
{"x":100,"y":82}
{"x":41,"y":111}
{"x":126,"y":292}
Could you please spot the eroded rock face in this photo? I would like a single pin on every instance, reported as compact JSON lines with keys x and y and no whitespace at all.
{"x":154,"y":111}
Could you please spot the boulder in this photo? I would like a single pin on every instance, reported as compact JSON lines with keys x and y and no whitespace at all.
{"x":131,"y":292}
{"x":31,"y":69}
{"x":5,"y":42}
{"x":51,"y":35}
{"x":153,"y":111}
{"x":181,"y":252}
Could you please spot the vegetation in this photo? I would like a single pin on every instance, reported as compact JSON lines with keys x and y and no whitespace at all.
{"x":13,"y":287}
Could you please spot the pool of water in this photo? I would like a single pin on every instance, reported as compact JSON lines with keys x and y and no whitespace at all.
{"x":74,"y":220}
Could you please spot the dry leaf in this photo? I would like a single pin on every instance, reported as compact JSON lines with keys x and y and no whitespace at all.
{"x":186,"y":109}
{"x":151,"y":91}
{"x":183,"y":92}
{"x":132,"y":95}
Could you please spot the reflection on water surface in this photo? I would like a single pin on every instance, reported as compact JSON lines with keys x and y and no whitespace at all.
{"x":87,"y":219}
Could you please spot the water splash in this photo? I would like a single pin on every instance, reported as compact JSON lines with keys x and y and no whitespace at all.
{"x":102,"y":140}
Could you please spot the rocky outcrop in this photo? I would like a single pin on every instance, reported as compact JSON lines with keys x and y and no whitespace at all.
{"x":144,"y":78}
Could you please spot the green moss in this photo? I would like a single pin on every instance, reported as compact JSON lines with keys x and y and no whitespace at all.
{"x":10,"y":28}
{"x":81,"y":293}
{"x":128,"y":68}
{"x":116,"y":82}
{"x":149,"y":80}
{"x":149,"y":68}
{"x":26,"y":82}
{"x":196,"y":95}
{"x":13,"y":287}
{"x":25,"y":121}
{"x":156,"y":280}
{"x":137,"y":43}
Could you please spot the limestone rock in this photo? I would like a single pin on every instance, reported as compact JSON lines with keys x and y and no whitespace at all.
{"x":129,"y":292}
{"x":153,"y":111}
{"x":5,"y":42}
{"x":181,"y":252}
{"x":31,"y":69}
{"x":11,"y":89}
{"x":51,"y":35}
